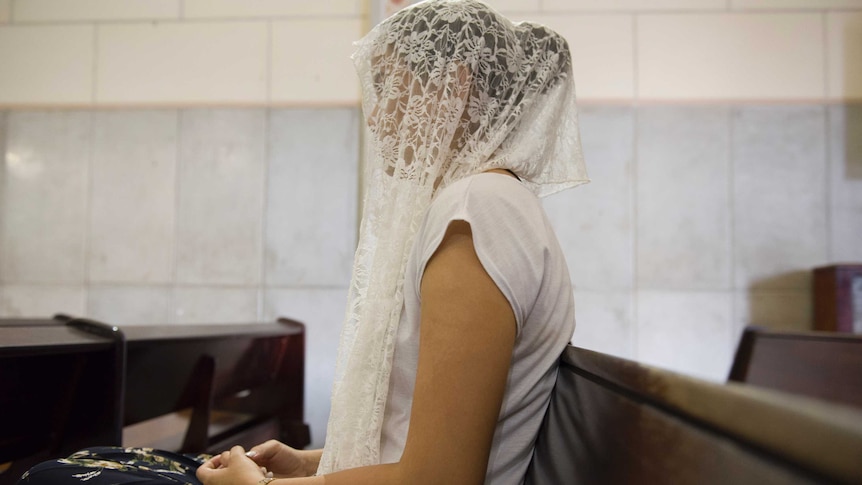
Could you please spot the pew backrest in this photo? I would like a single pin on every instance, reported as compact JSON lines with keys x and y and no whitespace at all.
{"x":611,"y":420}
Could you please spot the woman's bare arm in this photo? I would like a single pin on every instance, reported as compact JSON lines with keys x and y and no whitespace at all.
{"x":466,"y":339}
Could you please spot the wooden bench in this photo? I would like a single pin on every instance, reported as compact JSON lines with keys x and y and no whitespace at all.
{"x":68,"y":383}
{"x":611,"y":420}
{"x":824,"y":365}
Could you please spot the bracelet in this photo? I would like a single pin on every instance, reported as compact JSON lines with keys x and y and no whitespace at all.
{"x":265,"y":480}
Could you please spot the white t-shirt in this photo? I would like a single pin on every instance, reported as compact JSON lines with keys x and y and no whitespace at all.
{"x":518,"y":249}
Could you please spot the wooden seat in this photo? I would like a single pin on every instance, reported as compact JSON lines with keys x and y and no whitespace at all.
{"x":823,"y":365}
{"x":611,"y":420}
{"x":60,"y":390}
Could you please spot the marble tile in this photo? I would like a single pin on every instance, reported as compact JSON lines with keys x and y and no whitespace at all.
{"x":602,"y":48}
{"x":687,"y":331}
{"x":605,"y":322}
{"x":319,"y":72}
{"x":196,"y":62}
{"x":89,"y":10}
{"x":41,"y":301}
{"x":311,"y":220}
{"x":5,"y":11}
{"x":730,"y":56}
{"x":509,"y":6}
{"x":776,"y":309}
{"x":794,"y":4}
{"x":132,"y":201}
{"x":221,"y":191}
{"x":231,"y":9}
{"x":633,"y":5}
{"x":846,"y":235}
{"x":845,"y":167}
{"x":683,"y":203}
{"x":56,"y":70}
{"x":779,"y":212}
{"x":594,"y":222}
{"x":44,"y":196}
{"x":129,"y":305}
{"x":210,"y":305}
{"x":322,"y":312}
{"x":844,"y":66}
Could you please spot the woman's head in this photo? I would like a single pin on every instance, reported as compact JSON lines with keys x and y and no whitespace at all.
{"x":447,"y":84}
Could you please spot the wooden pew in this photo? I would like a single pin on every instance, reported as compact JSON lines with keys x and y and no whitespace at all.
{"x":69,"y":383}
{"x":60,"y":390}
{"x":824,"y":365}
{"x":249,"y":375}
{"x":611,"y":420}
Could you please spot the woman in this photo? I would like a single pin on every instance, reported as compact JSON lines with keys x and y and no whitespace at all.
{"x":471,"y":119}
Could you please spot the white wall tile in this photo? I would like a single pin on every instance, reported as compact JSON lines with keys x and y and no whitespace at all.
{"x":87,"y":10}
{"x":221,"y":185}
{"x":270,"y":8}
{"x":794,"y":4}
{"x":637,"y":5}
{"x":605,"y":322}
{"x":44,"y":197}
{"x":688,"y":332}
{"x":215,"y":305}
{"x":730,"y":56}
{"x":132,"y":201}
{"x":311,"y":210}
{"x":683,"y":202}
{"x":779,"y":171}
{"x":46,"y":64}
{"x":322,"y":312}
{"x":602,"y":52}
{"x":507,"y":6}
{"x":41,"y":301}
{"x":129,"y":305}
{"x":781,"y":309}
{"x":182,"y":63}
{"x":594,"y":222}
{"x":844,"y":56}
{"x":311,"y":61}
{"x":5,"y":11}
{"x":845,"y":167}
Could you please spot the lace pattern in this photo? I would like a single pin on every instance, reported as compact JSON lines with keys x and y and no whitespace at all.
{"x":450,"y":88}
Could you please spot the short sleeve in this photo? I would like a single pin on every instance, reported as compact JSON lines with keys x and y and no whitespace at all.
{"x":509,"y":234}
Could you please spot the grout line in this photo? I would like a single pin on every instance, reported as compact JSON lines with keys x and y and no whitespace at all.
{"x":172,"y":304}
{"x":826,"y":66}
{"x":264,"y":223}
{"x":89,"y":174}
{"x":94,"y":83}
{"x":635,"y":63}
{"x":828,"y":127}
{"x":633,"y":205}
{"x":4,"y":130}
{"x":268,"y":73}
{"x":731,"y":225}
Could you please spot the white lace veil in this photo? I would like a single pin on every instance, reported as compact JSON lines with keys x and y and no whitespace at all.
{"x":450,"y":88}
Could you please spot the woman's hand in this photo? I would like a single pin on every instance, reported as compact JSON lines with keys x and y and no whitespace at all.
{"x":230,"y":468}
{"x":284,"y":461}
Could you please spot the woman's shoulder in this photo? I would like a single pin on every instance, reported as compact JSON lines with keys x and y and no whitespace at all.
{"x":489,"y":188}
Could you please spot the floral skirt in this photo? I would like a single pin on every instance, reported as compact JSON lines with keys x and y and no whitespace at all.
{"x":112,"y":465}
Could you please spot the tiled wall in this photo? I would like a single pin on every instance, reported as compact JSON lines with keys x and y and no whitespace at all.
{"x":186,"y":216}
{"x":702,"y":219}
{"x":196,"y":161}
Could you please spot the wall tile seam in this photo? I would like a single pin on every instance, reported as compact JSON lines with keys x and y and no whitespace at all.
{"x":264,"y":201}
{"x":179,"y":21}
{"x":174,"y":271}
{"x":88,"y":213}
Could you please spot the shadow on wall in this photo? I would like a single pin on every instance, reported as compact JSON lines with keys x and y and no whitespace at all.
{"x":852,"y":140}
{"x":771,"y":304}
